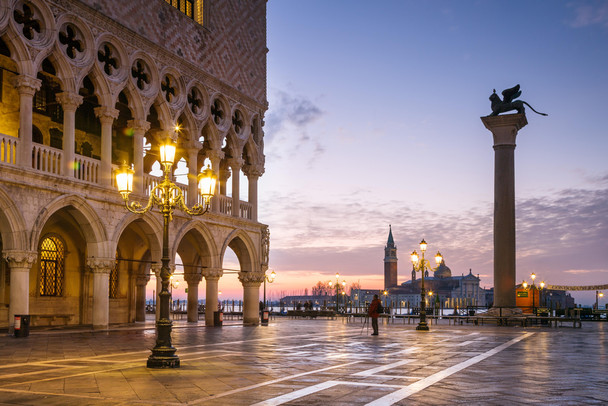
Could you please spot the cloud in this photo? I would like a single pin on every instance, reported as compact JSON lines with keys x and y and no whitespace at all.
{"x":561,"y":237}
{"x":589,"y":13}
{"x":290,"y":110}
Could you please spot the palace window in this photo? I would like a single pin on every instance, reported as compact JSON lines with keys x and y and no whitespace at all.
{"x":52,"y":254}
{"x":195,"y":9}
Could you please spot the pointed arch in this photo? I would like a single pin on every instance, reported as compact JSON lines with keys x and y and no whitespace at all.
{"x":12,"y":224}
{"x":91,"y":225}
{"x":149,"y":225}
{"x":242,"y":245}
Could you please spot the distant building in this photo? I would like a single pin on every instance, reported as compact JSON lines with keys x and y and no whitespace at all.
{"x":448,"y":291}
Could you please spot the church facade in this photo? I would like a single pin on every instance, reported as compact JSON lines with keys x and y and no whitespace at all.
{"x":448,"y":291}
{"x":87,"y":85}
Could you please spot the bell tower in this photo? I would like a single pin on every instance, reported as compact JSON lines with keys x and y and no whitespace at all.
{"x":390,"y":262}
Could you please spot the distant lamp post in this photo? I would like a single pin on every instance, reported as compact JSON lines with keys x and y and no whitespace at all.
{"x":431,"y":301}
{"x":337,"y":290}
{"x":269,"y":279}
{"x":421,"y":264}
{"x":598,"y":294}
{"x":167,"y":196}
{"x":385,"y":294}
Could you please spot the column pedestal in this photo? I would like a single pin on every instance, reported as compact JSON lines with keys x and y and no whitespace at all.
{"x":504,"y":130}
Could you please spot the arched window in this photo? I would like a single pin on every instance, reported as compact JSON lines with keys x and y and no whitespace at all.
{"x":113,"y":285}
{"x":52,"y":254}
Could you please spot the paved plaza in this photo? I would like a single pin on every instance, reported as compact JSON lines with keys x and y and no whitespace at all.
{"x":310,"y":362}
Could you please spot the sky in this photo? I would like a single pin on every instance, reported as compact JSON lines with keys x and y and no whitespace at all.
{"x":374,"y":120}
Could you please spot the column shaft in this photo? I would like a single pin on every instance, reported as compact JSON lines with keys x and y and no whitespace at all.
{"x":27,"y":87}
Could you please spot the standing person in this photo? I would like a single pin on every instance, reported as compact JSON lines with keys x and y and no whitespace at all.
{"x":374,"y":311}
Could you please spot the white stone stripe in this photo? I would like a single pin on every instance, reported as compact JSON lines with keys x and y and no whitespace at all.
{"x":382,"y":368}
{"x":406,"y":351}
{"x":286,"y":378}
{"x":432,"y":379}
{"x":464,"y":343}
{"x":288,"y":397}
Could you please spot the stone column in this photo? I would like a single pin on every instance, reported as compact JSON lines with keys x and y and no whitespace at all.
{"x":251,"y":296}
{"x":212,"y":276}
{"x":504,"y":129}
{"x":106,"y":116}
{"x":19,"y":263}
{"x":193,"y":279}
{"x":69,"y":102}
{"x":101,"y":268}
{"x":141,"y":281}
{"x":236,"y":165}
{"x":253,"y":174}
{"x":192,"y":176}
{"x":215,"y":157}
{"x":139,"y":130}
{"x":27,"y":87}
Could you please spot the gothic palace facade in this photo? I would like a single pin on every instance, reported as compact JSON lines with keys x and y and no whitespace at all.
{"x":87,"y":85}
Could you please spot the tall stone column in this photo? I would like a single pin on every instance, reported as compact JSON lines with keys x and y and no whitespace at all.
{"x":141,"y":281}
{"x":504,"y":130}
{"x":19,"y":263}
{"x":212,"y":276}
{"x":251,"y":296}
{"x":236,"y":165}
{"x":253,"y":174}
{"x":106,"y":116}
{"x":193,"y":279}
{"x":69,"y":102}
{"x":140,"y":127}
{"x":27,"y":87}
{"x":215,"y":157}
{"x":101,"y":268}
{"x":192,"y":176}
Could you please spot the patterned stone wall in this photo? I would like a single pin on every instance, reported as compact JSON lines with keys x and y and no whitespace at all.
{"x":232,"y":47}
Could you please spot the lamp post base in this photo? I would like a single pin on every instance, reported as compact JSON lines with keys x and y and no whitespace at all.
{"x":155,"y":361}
{"x":422,"y":326}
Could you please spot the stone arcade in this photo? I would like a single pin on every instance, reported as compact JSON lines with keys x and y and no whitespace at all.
{"x":87,"y":85}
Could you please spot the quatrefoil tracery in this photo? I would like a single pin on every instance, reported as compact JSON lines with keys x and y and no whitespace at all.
{"x":30,"y":24}
{"x":69,"y":39}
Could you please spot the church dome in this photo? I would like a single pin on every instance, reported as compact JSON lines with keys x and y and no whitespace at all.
{"x":443,"y":271}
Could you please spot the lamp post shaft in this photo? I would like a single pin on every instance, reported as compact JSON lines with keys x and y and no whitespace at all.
{"x":423,"y":326}
{"x":264,"y":293}
{"x":163,"y":354}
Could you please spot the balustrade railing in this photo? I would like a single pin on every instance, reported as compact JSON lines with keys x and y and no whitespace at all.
{"x":225,"y":204}
{"x":8,"y":149}
{"x":47,"y":159}
{"x":245,"y":210}
{"x":86,"y":169}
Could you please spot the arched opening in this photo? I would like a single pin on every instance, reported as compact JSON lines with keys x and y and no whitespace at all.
{"x":47,"y":111}
{"x":88,"y":126}
{"x":59,"y":283}
{"x":9,"y":100}
{"x":122,"y":134}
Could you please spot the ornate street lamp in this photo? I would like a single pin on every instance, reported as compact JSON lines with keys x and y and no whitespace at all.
{"x":167,"y":196}
{"x":420,"y":264}
{"x":269,"y":279}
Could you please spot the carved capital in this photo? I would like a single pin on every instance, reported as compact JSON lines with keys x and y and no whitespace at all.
{"x":26,"y":85}
{"x":213,"y":273}
{"x":69,"y":101}
{"x":20,"y":259}
{"x":142,"y":279}
{"x":253,"y":171}
{"x":139,"y":126}
{"x":106,"y":114}
{"x":193,"y":278}
{"x":101,"y":265}
{"x":236,"y":163}
{"x":251,"y":278}
{"x":215,"y":155}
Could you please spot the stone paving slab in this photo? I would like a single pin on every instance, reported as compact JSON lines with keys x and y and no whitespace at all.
{"x":310,"y":362}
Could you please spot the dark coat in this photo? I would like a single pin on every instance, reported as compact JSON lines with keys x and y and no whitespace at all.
{"x":373,"y":309}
